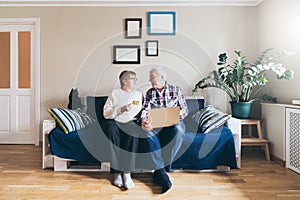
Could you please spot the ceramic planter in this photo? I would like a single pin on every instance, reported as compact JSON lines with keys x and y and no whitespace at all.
{"x":241,"y":109}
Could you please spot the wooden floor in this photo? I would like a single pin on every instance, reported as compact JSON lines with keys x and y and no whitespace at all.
{"x":21,"y":177}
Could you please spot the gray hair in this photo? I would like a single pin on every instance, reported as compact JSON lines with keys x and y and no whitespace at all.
{"x":124,"y":75}
{"x":160,"y":71}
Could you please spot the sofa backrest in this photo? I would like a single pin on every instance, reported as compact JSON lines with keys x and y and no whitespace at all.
{"x":193,"y":105}
{"x":94,"y":106}
{"x":95,"y":109}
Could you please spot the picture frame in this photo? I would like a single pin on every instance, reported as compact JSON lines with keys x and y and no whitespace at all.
{"x":152,"y":48}
{"x":161,"y":23}
{"x":133,"y":28}
{"x":126,"y":54}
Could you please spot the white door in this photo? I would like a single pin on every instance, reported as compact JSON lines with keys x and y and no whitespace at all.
{"x":19,"y":81}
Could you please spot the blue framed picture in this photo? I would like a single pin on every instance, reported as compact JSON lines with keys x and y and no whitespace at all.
{"x":161,"y":23}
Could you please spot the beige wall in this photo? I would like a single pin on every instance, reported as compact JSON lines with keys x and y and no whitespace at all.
{"x":76,"y":46}
{"x":279,"y":28}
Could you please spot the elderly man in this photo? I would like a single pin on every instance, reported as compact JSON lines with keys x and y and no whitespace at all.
{"x":163,"y":143}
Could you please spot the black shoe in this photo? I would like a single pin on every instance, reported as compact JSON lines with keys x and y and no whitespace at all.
{"x":160,"y":177}
{"x":166,"y":186}
{"x":156,"y":178}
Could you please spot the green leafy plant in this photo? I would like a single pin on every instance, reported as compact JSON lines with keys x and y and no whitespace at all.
{"x":240,"y":78}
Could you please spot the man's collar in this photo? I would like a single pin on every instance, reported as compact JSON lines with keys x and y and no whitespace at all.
{"x":162,"y":88}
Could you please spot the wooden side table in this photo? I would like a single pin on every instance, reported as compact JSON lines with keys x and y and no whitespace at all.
{"x":249,"y":140}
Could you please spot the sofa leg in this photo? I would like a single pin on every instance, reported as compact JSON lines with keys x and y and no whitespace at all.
{"x":223,"y":168}
{"x":61,"y":164}
{"x":105,"y":167}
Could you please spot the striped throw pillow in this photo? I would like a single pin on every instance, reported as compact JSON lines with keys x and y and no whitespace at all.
{"x":70,"y":120}
{"x":210,"y":118}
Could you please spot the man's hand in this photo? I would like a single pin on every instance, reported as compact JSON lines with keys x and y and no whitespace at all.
{"x":146,"y":126}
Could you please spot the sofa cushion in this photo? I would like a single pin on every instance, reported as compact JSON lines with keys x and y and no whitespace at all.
{"x":194,"y":105}
{"x":209,"y":118}
{"x":70,"y":120}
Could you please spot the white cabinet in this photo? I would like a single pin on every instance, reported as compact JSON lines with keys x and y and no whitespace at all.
{"x":281,"y":125}
{"x":293,"y":139}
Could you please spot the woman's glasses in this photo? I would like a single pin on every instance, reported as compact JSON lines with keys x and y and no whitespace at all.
{"x":132,"y":78}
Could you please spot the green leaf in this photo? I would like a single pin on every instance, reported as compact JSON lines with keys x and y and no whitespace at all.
{"x":223,"y":58}
{"x":239,"y":78}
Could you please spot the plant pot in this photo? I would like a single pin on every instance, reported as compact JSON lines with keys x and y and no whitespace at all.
{"x":241,"y":109}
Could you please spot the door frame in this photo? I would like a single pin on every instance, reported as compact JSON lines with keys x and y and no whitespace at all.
{"x":35,"y":68}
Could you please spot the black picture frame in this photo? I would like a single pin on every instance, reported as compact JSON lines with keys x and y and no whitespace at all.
{"x":152,"y":48}
{"x":126,"y":54}
{"x":133,"y":28}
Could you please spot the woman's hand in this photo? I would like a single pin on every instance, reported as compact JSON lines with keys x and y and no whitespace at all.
{"x":126,"y":108}
{"x":146,"y":126}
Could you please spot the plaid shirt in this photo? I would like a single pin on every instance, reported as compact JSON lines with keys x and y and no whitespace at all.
{"x":170,"y":96}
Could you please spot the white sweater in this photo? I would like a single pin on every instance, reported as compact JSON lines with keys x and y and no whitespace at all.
{"x":119,"y":98}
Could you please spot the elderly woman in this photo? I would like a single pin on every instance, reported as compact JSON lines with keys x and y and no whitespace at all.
{"x":123,"y":105}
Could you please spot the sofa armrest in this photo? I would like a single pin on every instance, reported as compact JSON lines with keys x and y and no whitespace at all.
{"x":234,"y":125}
{"x":47,"y":157}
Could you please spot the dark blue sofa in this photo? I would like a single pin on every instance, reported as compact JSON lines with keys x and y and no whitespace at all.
{"x":199,"y":151}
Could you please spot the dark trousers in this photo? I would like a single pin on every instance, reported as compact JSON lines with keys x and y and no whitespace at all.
{"x":124,"y":144}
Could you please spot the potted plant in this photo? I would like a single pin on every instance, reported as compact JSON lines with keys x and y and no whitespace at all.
{"x":240,"y":79}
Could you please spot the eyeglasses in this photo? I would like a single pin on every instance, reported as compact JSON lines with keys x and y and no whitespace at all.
{"x":132,"y":78}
